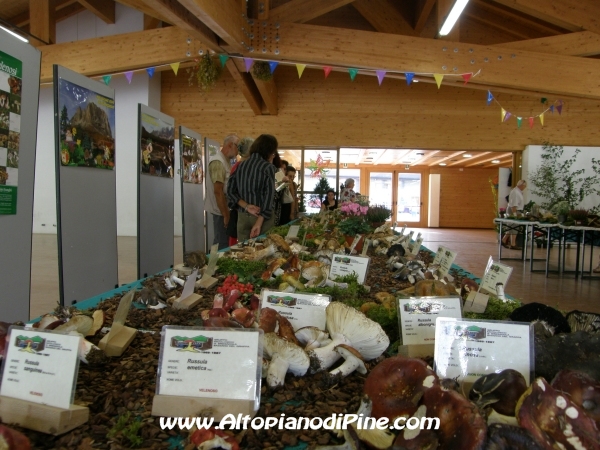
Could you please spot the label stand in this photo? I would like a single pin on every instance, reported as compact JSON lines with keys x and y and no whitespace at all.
{"x":43,"y":418}
{"x":208,"y":280}
{"x":188,"y":298}
{"x":178,"y":406}
{"x":119,"y":337}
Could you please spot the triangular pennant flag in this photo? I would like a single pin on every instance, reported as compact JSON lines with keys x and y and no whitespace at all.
{"x":248,"y":63}
{"x":544,"y":100}
{"x":223,"y":57}
{"x":150,"y":71}
{"x":559,"y":107}
{"x":300,"y":68}
{"x":129,"y":76}
{"x":106,"y":79}
{"x":551,"y":109}
{"x":519,"y":120}
{"x":490,"y":97}
{"x":352,"y":73}
{"x":273,"y":65}
{"x":542,"y":118}
{"x":409,"y":77}
{"x":503,"y":114}
{"x":438,"y":78}
{"x":175,"y":67}
{"x":380,"y":75}
{"x":327,"y":71}
{"x":467,"y":77}
{"x":531,"y":122}
{"x":507,"y":116}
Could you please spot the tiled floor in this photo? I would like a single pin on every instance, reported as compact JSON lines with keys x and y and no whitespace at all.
{"x":474,"y":247}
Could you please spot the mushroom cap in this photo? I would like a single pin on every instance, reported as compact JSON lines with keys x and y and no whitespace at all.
{"x":286,"y":330}
{"x":583,"y":390}
{"x":268,"y":320}
{"x":307,"y":336}
{"x":364,"y":334}
{"x":243,"y":316}
{"x":500,"y":390}
{"x":348,"y":353}
{"x":279,"y":242}
{"x":295,"y":356}
{"x":509,"y":437}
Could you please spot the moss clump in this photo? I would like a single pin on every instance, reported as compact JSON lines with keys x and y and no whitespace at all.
{"x":243,"y":269}
{"x":496,"y":310}
{"x":262,"y":71}
{"x":206,"y":72}
{"x":126,"y":429}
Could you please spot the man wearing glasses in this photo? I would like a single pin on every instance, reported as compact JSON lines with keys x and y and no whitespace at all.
{"x":219,"y":168}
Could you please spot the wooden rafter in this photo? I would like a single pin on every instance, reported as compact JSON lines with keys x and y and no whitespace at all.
{"x":498,"y":156}
{"x":268,"y":92}
{"x":464,"y":160}
{"x":247,"y":86}
{"x":22,"y":20}
{"x":104,"y":9}
{"x":428,"y":155}
{"x":301,"y":11}
{"x":583,"y":43}
{"x":495,"y":22}
{"x":143,"y":7}
{"x":574,"y":15}
{"x":384,"y":16}
{"x":177,"y":15}
{"x":452,"y":155}
{"x":424,"y":8}
{"x":42,"y":23}
{"x":512,"y":16}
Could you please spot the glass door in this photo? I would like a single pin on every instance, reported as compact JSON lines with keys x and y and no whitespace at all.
{"x":401,"y":192}
{"x":381,"y":190}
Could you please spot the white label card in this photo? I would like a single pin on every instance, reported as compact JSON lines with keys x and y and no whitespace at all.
{"x":40,"y":366}
{"x":496,"y":274}
{"x":417,"y":246}
{"x":293,"y":231}
{"x":444,"y":257}
{"x":343,"y":265}
{"x":302,"y":310}
{"x":469,"y":349}
{"x":190,"y":283}
{"x":417,"y":317}
{"x":476,"y":302}
{"x":201,"y":362}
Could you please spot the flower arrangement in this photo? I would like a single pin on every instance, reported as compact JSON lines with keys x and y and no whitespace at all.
{"x":205,"y":72}
{"x":355,"y":222}
{"x":378,"y":214}
{"x":353,"y":209}
{"x":502,"y":212}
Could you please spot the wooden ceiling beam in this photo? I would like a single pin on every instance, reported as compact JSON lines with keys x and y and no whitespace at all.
{"x":452,"y":155}
{"x":524,"y":70}
{"x":573,"y":15}
{"x":223,"y":17}
{"x":465,"y":160}
{"x":103,"y":9}
{"x":490,"y":19}
{"x":428,"y":155}
{"x":268,"y":92}
{"x":423,"y":11}
{"x":22,"y":20}
{"x":177,"y":15}
{"x":302,"y":11}
{"x":247,"y":86}
{"x":42,"y":23}
{"x":497,"y":156}
{"x":583,"y":43}
{"x":384,"y":16}
{"x":140,"y":5}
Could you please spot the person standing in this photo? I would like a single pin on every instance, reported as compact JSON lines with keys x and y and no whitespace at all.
{"x":244,"y":153}
{"x":289,"y":206}
{"x":219,"y":169}
{"x":348,"y":194}
{"x":516,"y":203}
{"x":330,"y":203}
{"x":252,"y":189}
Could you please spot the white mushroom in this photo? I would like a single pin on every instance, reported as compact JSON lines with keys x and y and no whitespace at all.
{"x":285,"y":357}
{"x":86,"y":348}
{"x":349,"y":326}
{"x":312,"y":337}
{"x":80,"y":323}
{"x":174,"y":279}
{"x":352,"y":361}
{"x":376,"y":438}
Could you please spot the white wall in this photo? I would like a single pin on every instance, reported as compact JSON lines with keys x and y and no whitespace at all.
{"x":142,"y":89}
{"x":532,"y":158}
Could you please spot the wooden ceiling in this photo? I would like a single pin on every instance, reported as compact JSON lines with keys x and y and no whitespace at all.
{"x":530,"y":48}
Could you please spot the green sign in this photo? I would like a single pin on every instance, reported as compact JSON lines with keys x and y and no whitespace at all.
{"x":11,"y":66}
{"x":8,"y":199}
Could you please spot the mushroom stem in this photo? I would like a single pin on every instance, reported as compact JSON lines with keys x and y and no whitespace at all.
{"x":276,"y":372}
{"x":332,"y":283}
{"x":327,"y":356}
{"x":179,"y":281}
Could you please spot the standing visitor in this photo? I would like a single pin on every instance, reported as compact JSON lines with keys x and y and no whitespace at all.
{"x":219,"y":169}
{"x":516,"y":203}
{"x":348,"y":194}
{"x":244,"y":153}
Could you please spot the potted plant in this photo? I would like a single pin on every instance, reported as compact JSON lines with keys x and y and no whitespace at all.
{"x":377,"y":215}
{"x":501,"y":212}
{"x":579,"y":216}
{"x":354,"y":223}
{"x":560,"y":210}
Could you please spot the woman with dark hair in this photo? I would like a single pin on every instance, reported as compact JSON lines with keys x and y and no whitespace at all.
{"x":330,"y":203}
{"x":252,"y":187}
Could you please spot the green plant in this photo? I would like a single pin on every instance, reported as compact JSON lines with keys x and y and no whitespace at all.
{"x":354,"y":225}
{"x":319,"y":192}
{"x":206,"y":72}
{"x":378,"y":213}
{"x":561,"y":208}
{"x":261,"y":70}
{"x":127,"y":427}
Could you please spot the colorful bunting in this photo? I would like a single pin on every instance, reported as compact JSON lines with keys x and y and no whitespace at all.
{"x":248,"y":63}
{"x":467,"y":77}
{"x":542,"y":118}
{"x":552,"y":109}
{"x":531,"y":122}
{"x":352,"y":73}
{"x":503,"y":112}
{"x":175,"y":67}
{"x":380,"y":75}
{"x":559,"y":107}
{"x":544,"y":100}
{"x":507,"y":116}
{"x":327,"y":71}
{"x":409,"y":77}
{"x":150,"y":71}
{"x":129,"y":76}
{"x":300,"y":68}
{"x":223,"y":57}
{"x":438,"y":78}
{"x":490,"y":97}
{"x":106,"y":79}
{"x":519,"y":120}
{"x":273,"y":65}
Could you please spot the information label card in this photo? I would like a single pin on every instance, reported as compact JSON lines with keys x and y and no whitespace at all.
{"x":444,"y":257}
{"x":208,"y":362}
{"x":343,"y":265}
{"x":496,"y":274}
{"x":40,"y":366}
{"x":302,"y":310}
{"x":468,"y":349}
{"x":417,"y":317}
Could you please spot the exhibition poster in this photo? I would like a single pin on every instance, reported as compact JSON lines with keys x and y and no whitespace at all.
{"x":157,"y":147}
{"x":193,"y":172}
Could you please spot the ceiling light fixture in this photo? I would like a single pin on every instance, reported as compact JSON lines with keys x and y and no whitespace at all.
{"x":442,"y":164}
{"x":467,"y":155}
{"x":496,"y":161}
{"x":455,"y":13}
{"x":14,"y":34}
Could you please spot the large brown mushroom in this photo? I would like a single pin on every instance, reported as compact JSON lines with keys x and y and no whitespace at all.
{"x":583,"y":390}
{"x":13,"y":440}
{"x":396,"y":385}
{"x":510,"y":437}
{"x":500,"y":390}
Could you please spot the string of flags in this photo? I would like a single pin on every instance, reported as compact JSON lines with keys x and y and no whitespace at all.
{"x":149,"y":70}
{"x":506,"y":115}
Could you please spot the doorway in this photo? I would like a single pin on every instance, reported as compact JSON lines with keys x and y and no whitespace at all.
{"x":402,"y":192}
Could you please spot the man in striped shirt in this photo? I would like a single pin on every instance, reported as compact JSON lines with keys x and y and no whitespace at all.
{"x":252,"y":189}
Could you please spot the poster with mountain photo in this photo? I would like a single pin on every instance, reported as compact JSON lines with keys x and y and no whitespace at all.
{"x":191,"y":155}
{"x":87,"y":127}
{"x":157,"y":146}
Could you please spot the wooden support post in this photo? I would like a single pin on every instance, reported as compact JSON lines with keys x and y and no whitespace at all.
{"x":42,"y":22}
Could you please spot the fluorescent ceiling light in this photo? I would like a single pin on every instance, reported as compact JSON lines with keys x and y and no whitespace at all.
{"x":467,"y":155}
{"x":14,"y":34}
{"x":496,"y":161}
{"x":442,"y":164}
{"x":455,"y":13}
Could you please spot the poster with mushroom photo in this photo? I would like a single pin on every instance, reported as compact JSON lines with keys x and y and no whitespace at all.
{"x":11,"y":74}
{"x":191,"y":155}
{"x":157,"y":147}
{"x":87,"y":126}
